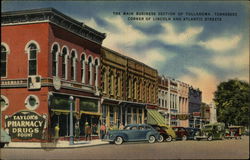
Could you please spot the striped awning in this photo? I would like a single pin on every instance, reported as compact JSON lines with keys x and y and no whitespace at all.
{"x":154,"y":117}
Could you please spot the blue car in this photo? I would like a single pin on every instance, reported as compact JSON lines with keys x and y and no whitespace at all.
{"x":133,"y":132}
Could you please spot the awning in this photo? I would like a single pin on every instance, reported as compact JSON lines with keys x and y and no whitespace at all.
{"x":154,"y":117}
{"x":91,"y":113}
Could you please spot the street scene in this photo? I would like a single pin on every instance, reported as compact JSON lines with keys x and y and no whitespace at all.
{"x":173,"y":150}
{"x":109,"y":80}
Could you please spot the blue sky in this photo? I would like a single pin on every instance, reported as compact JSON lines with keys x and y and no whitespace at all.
{"x":200,"y":53}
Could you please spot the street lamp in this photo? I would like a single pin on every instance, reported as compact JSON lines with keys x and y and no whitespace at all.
{"x":71,"y":140}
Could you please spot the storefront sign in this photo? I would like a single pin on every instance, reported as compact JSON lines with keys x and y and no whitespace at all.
{"x":25,"y":125}
{"x":182,"y":116}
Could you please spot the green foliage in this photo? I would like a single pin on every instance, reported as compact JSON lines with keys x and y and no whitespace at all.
{"x":232,"y":100}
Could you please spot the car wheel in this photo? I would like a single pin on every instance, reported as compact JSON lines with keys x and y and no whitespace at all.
{"x":161,"y":138}
{"x":169,"y":139}
{"x":118,"y":140}
{"x":184,"y":137}
{"x":151,"y":139}
{"x":210,"y":138}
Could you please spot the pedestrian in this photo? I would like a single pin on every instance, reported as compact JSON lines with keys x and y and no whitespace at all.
{"x":121,"y":127}
{"x":77,"y":131}
{"x":87,"y":131}
{"x":56,"y":130}
{"x":103,"y":130}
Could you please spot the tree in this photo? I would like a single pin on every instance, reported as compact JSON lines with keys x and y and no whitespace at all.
{"x":232,"y":100}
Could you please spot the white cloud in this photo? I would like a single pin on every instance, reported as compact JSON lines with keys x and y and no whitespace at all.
{"x":186,"y":37}
{"x":238,"y":61}
{"x":221,"y":43}
{"x":202,"y":79}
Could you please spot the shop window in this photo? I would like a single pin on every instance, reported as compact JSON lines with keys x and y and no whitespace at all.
{"x":4,"y":52}
{"x":73,"y":65}
{"x":32,"y":58}
{"x":88,"y":105}
{"x":83,"y":68}
{"x":55,"y":51}
{"x":32,"y":102}
{"x":134,"y":115}
{"x":129,"y":116}
{"x":64,"y":63}
{"x":61,"y":102}
{"x":4,"y":102}
{"x":140,"y":116}
{"x":111,"y":115}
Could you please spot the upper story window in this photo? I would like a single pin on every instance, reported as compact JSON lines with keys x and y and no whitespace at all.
{"x":96,"y":72}
{"x":129,"y":87}
{"x":73,"y":65}
{"x":55,"y":51}
{"x":112,"y":86}
{"x":105,"y":81}
{"x":83,"y":68}
{"x":135,"y":89}
{"x":32,"y":59}
{"x":4,"y":51}
{"x":4,"y":102}
{"x":90,"y":73}
{"x":64,"y":62}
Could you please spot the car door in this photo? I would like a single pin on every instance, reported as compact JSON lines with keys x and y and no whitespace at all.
{"x":132,"y":133}
{"x":142,"y":132}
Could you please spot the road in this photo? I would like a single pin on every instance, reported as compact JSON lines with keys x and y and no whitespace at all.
{"x":217,"y":149}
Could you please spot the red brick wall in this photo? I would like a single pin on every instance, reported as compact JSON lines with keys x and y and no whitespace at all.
{"x":16,"y":37}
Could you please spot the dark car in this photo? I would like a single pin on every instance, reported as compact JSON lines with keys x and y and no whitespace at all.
{"x":166,"y":132}
{"x":212,"y":131}
{"x":181,"y":133}
{"x":192,"y":132}
{"x":132,"y":132}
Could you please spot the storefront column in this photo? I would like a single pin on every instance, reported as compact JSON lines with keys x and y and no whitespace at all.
{"x":142,"y":115}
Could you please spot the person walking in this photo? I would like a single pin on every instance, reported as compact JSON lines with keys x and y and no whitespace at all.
{"x":56,"y":130}
{"x":77,"y":131}
{"x":103,"y":130}
{"x":87,"y":131}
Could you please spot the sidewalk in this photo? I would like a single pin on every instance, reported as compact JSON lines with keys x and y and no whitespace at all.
{"x":59,"y":144}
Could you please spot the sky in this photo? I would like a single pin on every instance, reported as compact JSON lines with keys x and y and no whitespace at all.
{"x":199,"y":52}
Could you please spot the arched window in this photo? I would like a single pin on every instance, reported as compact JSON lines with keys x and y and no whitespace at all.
{"x":55,"y":50}
{"x":83,"y":68}
{"x":112,"y":83}
{"x":135,"y":88}
{"x":73,"y":65}
{"x":90,"y":72}
{"x":64,"y":62}
{"x":3,"y":61}
{"x":32,"y":57}
{"x":96,"y":72}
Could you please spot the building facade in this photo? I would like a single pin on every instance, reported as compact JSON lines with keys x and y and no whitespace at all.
{"x":128,"y":89}
{"x":50,"y":58}
{"x":194,"y":106}
{"x":173,"y":101}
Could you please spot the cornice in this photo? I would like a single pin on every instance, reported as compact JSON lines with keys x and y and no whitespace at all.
{"x":53,"y":16}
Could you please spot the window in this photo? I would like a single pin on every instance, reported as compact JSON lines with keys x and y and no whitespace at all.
{"x":104,"y":76}
{"x":129,"y":87}
{"x":112,"y":83}
{"x":55,"y":50}
{"x":73,"y":65}
{"x":90,"y":74}
{"x":64,"y":62}
{"x":96,"y":72}
{"x":135,"y":89}
{"x":32,"y":102}
{"x":32,"y":57}
{"x":3,"y":61}
{"x":4,"y":102}
{"x":119,"y":85}
{"x":83,"y":68}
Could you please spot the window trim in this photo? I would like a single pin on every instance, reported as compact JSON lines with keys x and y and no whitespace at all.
{"x":90,"y":70}
{"x":27,"y":50}
{"x":57,"y":57}
{"x":7,"y":101}
{"x":65,"y":61}
{"x":83,"y":67}
{"x":27,"y":105}
{"x":74,"y":65}
{"x":7,"y":53}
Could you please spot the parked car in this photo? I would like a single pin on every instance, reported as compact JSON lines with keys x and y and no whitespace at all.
{"x":181,"y":133}
{"x":166,"y":132}
{"x":5,"y":138}
{"x":133,"y":132}
{"x":234,"y":132}
{"x":212,"y":131}
{"x":192,"y":132}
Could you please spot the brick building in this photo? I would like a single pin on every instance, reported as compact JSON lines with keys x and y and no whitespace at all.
{"x":46,"y":57}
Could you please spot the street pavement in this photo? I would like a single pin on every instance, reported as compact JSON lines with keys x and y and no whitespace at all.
{"x":217,"y":149}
